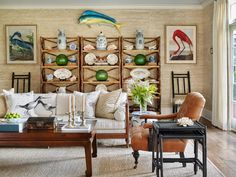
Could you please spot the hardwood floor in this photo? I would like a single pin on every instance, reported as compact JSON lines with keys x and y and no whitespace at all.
{"x":222,"y":149}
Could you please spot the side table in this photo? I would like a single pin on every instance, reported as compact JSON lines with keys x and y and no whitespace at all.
{"x":170,"y":130}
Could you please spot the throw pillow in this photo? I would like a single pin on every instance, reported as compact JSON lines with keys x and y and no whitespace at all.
{"x":62,"y":103}
{"x":91,"y":101}
{"x":21,"y":103}
{"x":120,"y":114}
{"x":46,"y":104}
{"x":107,"y":104}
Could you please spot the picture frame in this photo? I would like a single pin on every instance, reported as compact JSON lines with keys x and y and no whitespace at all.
{"x":21,"y":44}
{"x":181,"y":43}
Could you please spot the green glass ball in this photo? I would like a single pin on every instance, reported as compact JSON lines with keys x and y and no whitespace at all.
{"x":101,"y":75}
{"x":61,"y":60}
{"x":140,"y":59}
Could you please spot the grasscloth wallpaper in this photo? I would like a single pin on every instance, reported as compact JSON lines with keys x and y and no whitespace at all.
{"x":151,"y":21}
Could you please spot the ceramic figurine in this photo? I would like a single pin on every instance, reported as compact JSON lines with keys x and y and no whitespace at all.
{"x":49,"y":77}
{"x":128,"y":60}
{"x":49,"y":60}
{"x":72,"y":59}
{"x":101,"y":42}
{"x":139,"y":43}
{"x":152,"y":59}
{"x":73,"y":46}
{"x":61,"y":41}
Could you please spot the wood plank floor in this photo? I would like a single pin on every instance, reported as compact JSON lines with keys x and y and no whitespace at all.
{"x":222,"y":149}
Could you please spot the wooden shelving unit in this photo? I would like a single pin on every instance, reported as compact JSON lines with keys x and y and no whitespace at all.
{"x":152,"y":67}
{"x":88,"y":72}
{"x":49,"y":49}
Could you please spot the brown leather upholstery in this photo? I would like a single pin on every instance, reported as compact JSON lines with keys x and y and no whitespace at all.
{"x":192,"y":107}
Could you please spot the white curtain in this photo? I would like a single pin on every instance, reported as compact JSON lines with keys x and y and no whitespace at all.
{"x":220,"y":60}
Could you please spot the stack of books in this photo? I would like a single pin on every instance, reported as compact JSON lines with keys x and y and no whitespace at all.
{"x":6,"y":126}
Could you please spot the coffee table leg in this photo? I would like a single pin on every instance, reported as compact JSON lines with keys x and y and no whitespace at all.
{"x":94,"y":144}
{"x":195,"y":156}
{"x":88,"y":158}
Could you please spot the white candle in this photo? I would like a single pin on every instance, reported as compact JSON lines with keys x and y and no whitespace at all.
{"x":69,"y":104}
{"x":73,"y":103}
{"x":84,"y":103}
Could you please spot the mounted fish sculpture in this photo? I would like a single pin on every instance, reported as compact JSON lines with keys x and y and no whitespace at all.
{"x":90,"y":17}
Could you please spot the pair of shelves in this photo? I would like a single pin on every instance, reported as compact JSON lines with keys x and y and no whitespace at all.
{"x":84,"y":74}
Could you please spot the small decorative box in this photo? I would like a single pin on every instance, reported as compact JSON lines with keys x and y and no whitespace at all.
{"x":34,"y":123}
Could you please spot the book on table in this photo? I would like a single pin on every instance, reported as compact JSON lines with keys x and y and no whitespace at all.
{"x":14,"y":125}
{"x":76,"y":129}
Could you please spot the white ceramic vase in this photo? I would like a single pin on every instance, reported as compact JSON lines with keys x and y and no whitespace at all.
{"x":61,"y":40}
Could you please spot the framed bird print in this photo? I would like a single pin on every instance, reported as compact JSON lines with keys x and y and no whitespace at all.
{"x":21,"y":44}
{"x":181,"y":44}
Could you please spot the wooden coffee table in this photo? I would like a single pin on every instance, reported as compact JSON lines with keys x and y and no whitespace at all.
{"x":54,"y":138}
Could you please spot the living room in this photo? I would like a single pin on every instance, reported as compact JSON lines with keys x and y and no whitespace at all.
{"x":84,"y":59}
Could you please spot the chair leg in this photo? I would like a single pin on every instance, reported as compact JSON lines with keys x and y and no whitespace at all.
{"x":127,"y":142}
{"x":181,"y":154}
{"x":136,"y":156}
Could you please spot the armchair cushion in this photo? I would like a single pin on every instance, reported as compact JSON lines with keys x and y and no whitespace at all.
{"x":109,"y":124}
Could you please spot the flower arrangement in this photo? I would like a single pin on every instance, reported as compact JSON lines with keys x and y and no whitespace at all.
{"x":141,"y":92}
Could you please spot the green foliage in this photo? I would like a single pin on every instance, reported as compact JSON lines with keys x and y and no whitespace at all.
{"x":141,"y":92}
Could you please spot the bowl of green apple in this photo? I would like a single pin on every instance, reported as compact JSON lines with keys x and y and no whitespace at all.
{"x":12,"y":117}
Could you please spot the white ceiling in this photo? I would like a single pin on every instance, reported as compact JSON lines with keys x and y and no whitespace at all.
{"x":99,"y":3}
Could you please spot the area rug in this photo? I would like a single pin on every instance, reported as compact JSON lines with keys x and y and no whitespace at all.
{"x":70,"y":162}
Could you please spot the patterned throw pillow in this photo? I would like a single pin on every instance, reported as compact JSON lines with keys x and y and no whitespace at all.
{"x":107,"y":104}
{"x":3,"y":108}
{"x":21,"y":103}
{"x":91,"y":101}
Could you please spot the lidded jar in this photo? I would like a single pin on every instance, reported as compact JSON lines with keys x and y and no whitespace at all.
{"x":101,"y":42}
{"x":139,"y":42}
{"x":61,"y":40}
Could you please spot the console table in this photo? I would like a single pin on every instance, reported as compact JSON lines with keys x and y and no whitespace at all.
{"x":170,"y":130}
{"x":54,"y":138}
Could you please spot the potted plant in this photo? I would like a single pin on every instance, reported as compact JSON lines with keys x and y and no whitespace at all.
{"x":141,"y":93}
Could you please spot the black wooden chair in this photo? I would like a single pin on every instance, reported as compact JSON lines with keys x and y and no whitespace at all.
{"x":21,"y":82}
{"x":180,"y":88}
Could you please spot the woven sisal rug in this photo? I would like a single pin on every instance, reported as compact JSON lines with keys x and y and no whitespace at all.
{"x":70,"y":162}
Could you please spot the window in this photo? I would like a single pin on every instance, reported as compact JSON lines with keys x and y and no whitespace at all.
{"x":232,"y":11}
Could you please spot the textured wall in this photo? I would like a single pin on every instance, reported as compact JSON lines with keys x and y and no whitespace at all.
{"x":151,"y":21}
{"x":207,"y":56}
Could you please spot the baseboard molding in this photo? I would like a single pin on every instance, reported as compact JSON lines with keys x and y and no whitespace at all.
{"x":207,"y":114}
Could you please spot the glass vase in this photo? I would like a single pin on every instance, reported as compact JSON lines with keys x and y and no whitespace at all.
{"x":143,"y":108}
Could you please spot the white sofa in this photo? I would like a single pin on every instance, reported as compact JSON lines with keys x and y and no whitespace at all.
{"x":116,"y":127}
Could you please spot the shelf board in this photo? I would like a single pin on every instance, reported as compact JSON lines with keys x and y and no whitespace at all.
{"x":101,"y":66}
{"x":142,"y":66}
{"x":101,"y":82}
{"x":100,"y":51}
{"x":60,"y":82}
{"x":69,"y":67}
{"x":141,"y":51}
{"x":57,"y":51}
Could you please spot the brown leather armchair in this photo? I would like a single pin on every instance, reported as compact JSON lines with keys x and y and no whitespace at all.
{"x":192,"y":107}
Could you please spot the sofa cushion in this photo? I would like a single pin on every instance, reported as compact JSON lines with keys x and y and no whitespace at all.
{"x":107,"y":104}
{"x":3,"y":108}
{"x":109,"y":124}
{"x":62,"y":103}
{"x":17,"y":103}
{"x":47,"y":104}
{"x":91,"y":101}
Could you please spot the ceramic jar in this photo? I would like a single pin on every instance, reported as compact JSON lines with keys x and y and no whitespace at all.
{"x":139,"y":42}
{"x":61,"y":40}
{"x":101,"y":42}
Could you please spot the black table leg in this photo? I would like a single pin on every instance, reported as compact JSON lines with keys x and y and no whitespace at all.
{"x":204,"y":156}
{"x":157,"y":157}
{"x":195,"y":156}
{"x":161,"y":155}
{"x":153,"y":151}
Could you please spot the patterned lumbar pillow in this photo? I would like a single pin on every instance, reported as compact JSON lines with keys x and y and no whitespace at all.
{"x":46,"y":106}
{"x":90,"y":103}
{"x":107,"y":104}
{"x":21,"y":103}
{"x":3,"y":108}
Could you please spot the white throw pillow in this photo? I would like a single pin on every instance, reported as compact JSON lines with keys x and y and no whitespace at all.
{"x":62,"y":103}
{"x":47,"y":104}
{"x":120,"y":114}
{"x":3,"y":108}
{"x":91,"y":101}
{"x":107,"y":104}
{"x":21,"y":103}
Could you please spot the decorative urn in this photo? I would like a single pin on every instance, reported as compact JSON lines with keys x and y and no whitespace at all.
{"x":139,"y":42}
{"x":61,"y":40}
{"x":101,"y":75}
{"x":101,"y":42}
